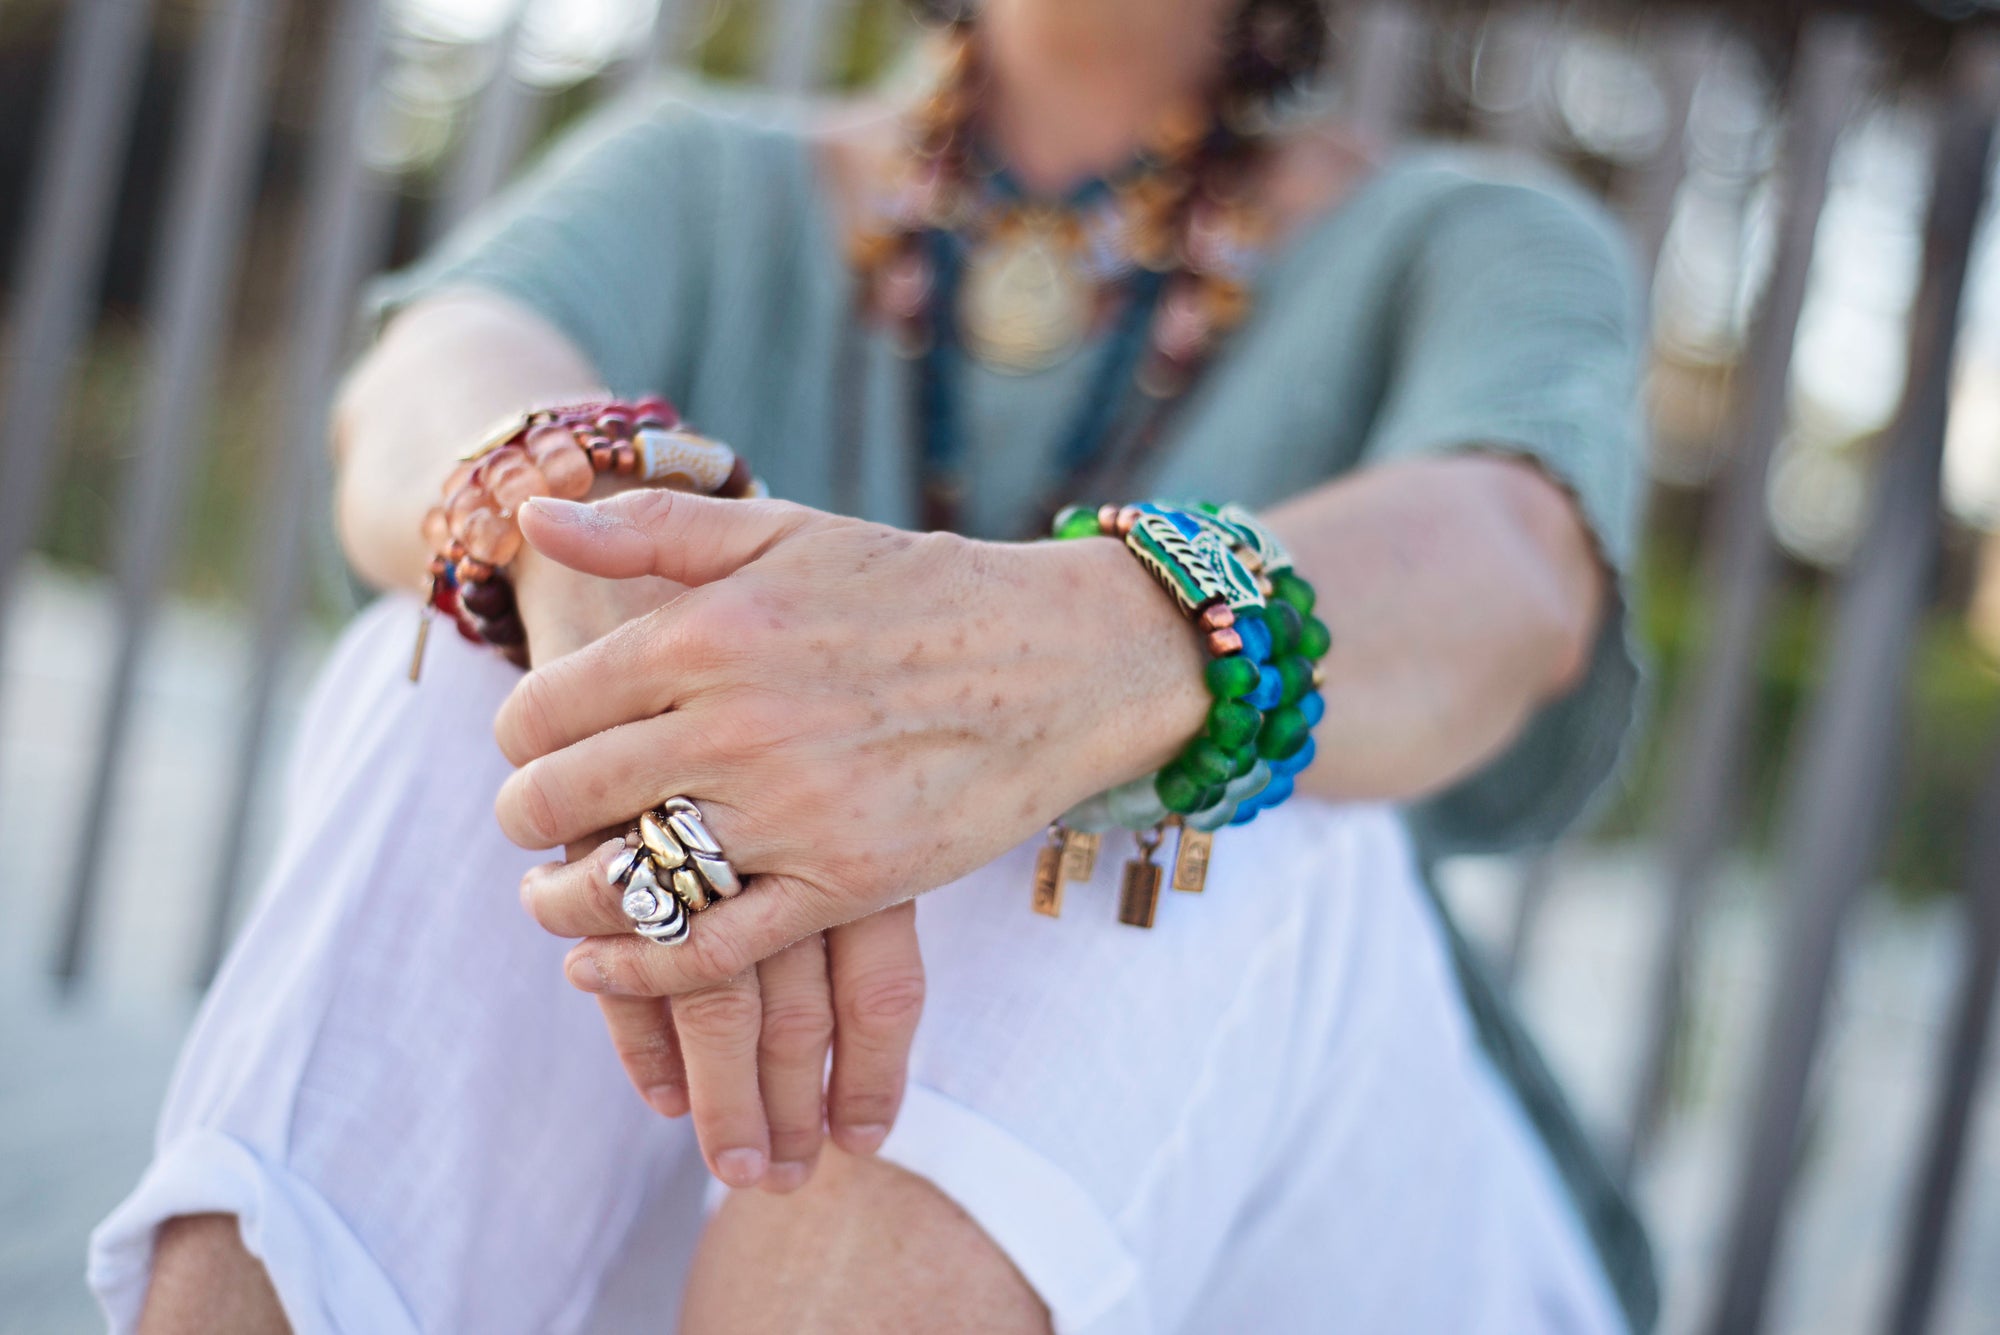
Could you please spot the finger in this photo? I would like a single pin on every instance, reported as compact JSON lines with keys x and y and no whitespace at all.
{"x":678,"y":535}
{"x":717,"y":1028}
{"x":605,"y":781}
{"x":729,"y":938}
{"x":878,"y":996}
{"x":791,"y":1058}
{"x":615,"y":679}
{"x":642,"y":1033}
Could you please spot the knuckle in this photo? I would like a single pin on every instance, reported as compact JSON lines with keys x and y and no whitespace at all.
{"x":857,"y":1104}
{"x":717,"y":1012}
{"x":538,"y":805}
{"x":796,"y":1031}
{"x":796,"y":1135}
{"x":526,"y":727}
{"x":648,"y":1050}
{"x":710,"y":958}
{"x":720,"y":628}
{"x":887,"y":1002}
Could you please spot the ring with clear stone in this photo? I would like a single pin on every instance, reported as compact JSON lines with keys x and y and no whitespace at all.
{"x":670,"y":869}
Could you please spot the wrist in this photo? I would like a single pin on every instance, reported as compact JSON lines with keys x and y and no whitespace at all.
{"x":1147,"y":662}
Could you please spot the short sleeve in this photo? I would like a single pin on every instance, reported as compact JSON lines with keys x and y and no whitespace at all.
{"x":607,"y":238}
{"x":1518,"y":330}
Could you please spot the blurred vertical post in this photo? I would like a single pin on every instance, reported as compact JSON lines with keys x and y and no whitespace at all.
{"x":1713,"y":716}
{"x":345,"y":231}
{"x":499,"y":125}
{"x":1513,"y":62}
{"x":93,"y":89}
{"x":796,"y":57}
{"x":1380,"y":65}
{"x":657,"y":50}
{"x":213,"y":179}
{"x":1927,"y":1232}
{"x":1686,"y":44}
{"x":1841,"y":776}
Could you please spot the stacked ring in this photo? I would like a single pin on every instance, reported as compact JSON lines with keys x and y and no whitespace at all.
{"x":671,"y":868}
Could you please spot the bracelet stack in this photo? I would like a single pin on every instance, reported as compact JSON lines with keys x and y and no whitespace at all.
{"x":555,"y":451}
{"x":1234,"y":580}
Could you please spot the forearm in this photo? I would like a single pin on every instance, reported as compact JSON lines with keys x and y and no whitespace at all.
{"x":444,"y":372}
{"x":1463,"y":592}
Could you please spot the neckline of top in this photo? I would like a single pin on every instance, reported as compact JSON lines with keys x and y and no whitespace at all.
{"x":826,"y":230}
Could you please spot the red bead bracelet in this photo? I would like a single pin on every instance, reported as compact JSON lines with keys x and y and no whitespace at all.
{"x":558,"y":451}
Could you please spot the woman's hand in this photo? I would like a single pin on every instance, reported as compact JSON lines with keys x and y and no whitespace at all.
{"x":749,"y":1056}
{"x":862,"y":713}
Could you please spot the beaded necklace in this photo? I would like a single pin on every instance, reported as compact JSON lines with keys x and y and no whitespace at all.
{"x":961,"y":262}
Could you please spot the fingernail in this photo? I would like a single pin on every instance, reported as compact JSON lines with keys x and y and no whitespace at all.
{"x":785,"y":1177}
{"x":668,"y":1100}
{"x":864,"y":1139}
{"x":740,"y":1168}
{"x":558,"y":511}
{"x":584,"y":975}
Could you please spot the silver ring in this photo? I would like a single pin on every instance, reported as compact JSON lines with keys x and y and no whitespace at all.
{"x":670,"y":869}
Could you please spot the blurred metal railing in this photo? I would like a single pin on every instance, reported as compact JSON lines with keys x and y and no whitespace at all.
{"x":1840,"y":780}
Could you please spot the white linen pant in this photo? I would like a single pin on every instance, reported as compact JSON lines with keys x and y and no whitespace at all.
{"x":1268,"y":1114}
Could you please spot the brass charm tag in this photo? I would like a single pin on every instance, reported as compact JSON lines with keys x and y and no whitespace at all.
{"x":423,"y":638}
{"x":1139,"y":891}
{"x":1049,"y":878}
{"x":1191,"y":860}
{"x":1079,"y":855}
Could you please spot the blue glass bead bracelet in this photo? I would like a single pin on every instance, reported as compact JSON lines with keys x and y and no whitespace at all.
{"x":1234,"y":580}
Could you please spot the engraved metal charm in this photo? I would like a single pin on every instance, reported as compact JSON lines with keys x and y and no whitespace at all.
{"x":1139,"y":888}
{"x":1079,"y":854}
{"x":1048,"y":895}
{"x":1191,"y":860}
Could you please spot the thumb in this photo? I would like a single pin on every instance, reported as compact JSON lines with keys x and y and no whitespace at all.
{"x":678,"y":535}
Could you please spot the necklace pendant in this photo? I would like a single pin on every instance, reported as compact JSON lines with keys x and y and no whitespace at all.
{"x":1024,"y":303}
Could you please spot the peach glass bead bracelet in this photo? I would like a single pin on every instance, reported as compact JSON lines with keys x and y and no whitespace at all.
{"x":558,"y":450}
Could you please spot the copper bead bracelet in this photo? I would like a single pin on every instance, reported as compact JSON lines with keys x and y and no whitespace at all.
{"x":559,"y":450}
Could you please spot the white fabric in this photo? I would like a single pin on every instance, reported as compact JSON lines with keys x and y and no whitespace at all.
{"x":1267,"y":1114}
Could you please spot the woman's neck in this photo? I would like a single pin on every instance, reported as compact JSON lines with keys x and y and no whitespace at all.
{"x":1076,"y":85}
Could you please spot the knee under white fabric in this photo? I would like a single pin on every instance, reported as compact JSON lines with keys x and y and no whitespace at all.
{"x":1266,"y":1114}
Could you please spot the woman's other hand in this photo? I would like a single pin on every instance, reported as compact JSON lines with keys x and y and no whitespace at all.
{"x":748,"y":1056}
{"x":861,"y":713}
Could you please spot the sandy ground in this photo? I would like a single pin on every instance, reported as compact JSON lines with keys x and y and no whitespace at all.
{"x":79,"y":1080}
